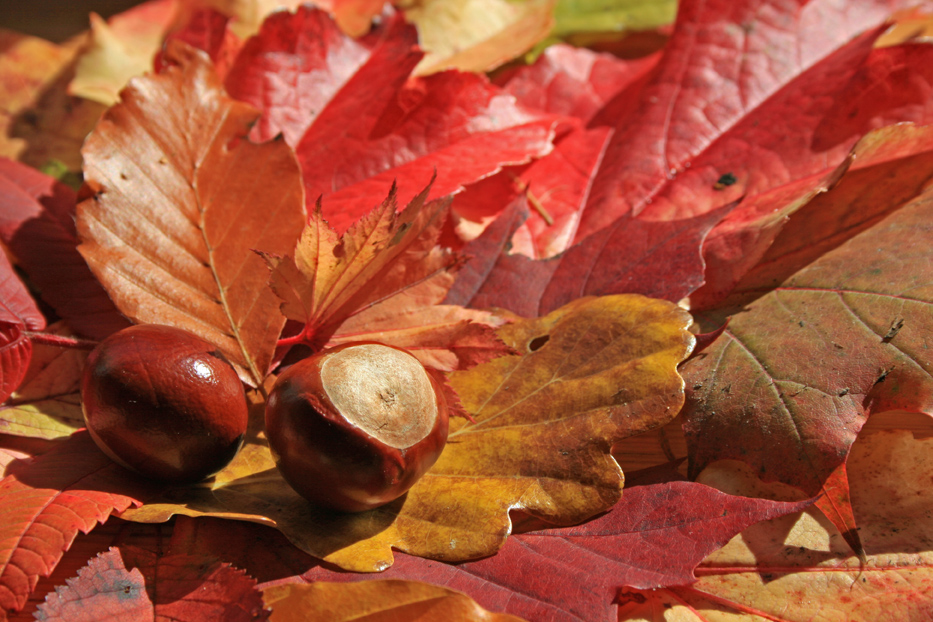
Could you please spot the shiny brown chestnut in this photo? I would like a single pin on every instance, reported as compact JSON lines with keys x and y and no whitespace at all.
{"x":354,"y":427}
{"x":164,"y":403}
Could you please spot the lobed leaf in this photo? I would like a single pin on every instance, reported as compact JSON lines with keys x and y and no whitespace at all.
{"x":587,"y":375}
{"x":178,"y":207}
{"x":815,"y":356}
{"x":368,"y":124}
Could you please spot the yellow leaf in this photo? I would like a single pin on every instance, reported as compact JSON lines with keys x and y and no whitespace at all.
{"x":585,"y":377}
{"x":476,"y":35}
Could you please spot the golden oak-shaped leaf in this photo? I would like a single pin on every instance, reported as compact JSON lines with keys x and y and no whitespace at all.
{"x":181,"y":199}
{"x":387,"y":600}
{"x":585,"y":376}
{"x":383,"y":280}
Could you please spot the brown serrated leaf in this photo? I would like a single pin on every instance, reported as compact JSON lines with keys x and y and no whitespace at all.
{"x":181,"y":198}
{"x":586,"y":376}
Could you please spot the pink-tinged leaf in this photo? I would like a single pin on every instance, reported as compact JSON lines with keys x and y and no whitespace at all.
{"x":811,"y":358}
{"x":207,"y":30}
{"x":574,"y":82}
{"x":369,"y":124}
{"x":654,"y":537}
{"x":37,"y":224}
{"x":18,"y":312}
{"x":298,"y":63}
{"x":726,"y":99}
{"x":128,"y":584}
{"x":656,"y":259}
{"x":45,"y":501}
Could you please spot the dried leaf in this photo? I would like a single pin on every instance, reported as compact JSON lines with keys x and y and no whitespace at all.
{"x":382,"y":280}
{"x":797,"y":568}
{"x":37,"y":225}
{"x":476,"y":35}
{"x":18,"y":312}
{"x":177,"y":210}
{"x":119,"y":49}
{"x":388,"y":600}
{"x":47,"y":403}
{"x":657,"y":259}
{"x":590,"y":374}
{"x":46,"y":500}
{"x":368,"y":124}
{"x":812,"y":358}
{"x":39,"y":122}
{"x":129,"y":583}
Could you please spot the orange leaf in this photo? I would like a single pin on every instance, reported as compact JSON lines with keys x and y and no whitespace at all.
{"x":381,"y":281}
{"x":181,"y":199}
{"x":386,"y":600}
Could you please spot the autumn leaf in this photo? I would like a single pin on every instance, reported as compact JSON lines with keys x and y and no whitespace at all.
{"x":128,"y":583}
{"x":37,"y":225}
{"x":576,"y":83}
{"x":119,"y":49}
{"x":45,"y":501}
{"x":592,"y":373}
{"x":814,"y":356}
{"x":177,"y":210}
{"x":46,"y":403}
{"x":403,"y":600}
{"x":209,"y":31}
{"x":18,"y":312}
{"x":476,"y":35}
{"x":658,"y":259}
{"x":39,"y":121}
{"x":358,"y":123}
{"x":383,"y":281}
{"x":797,"y":568}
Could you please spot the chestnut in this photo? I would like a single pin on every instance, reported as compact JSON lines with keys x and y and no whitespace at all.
{"x":163,"y":402}
{"x":354,"y":427}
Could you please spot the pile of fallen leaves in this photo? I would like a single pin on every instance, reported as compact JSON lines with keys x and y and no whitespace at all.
{"x":703,"y":255}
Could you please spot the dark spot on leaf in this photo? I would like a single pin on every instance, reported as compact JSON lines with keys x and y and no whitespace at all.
{"x":728,"y":179}
{"x":339,"y":251}
{"x":801,"y":323}
{"x":537,"y":343}
{"x":843,"y":392}
{"x":896,"y":326}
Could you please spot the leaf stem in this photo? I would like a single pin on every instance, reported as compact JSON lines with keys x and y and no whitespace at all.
{"x":61,"y":341}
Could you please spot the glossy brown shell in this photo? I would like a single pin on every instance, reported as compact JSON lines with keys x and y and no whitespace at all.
{"x":329,"y":460}
{"x":164,"y":402}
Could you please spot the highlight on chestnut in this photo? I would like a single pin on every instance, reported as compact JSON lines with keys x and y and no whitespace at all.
{"x":163,"y":402}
